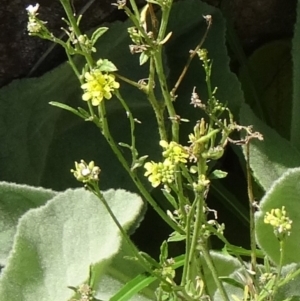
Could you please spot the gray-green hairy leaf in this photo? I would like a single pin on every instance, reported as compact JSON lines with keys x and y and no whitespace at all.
{"x":16,"y":200}
{"x":284,"y":192}
{"x":55,"y":244}
{"x":269,"y":158}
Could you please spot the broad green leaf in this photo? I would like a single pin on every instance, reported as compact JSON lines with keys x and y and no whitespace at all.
{"x":16,"y":200}
{"x":284,"y":192}
{"x":225,"y":266}
{"x":285,"y":291}
{"x":55,"y":244}
{"x":295,"y":123}
{"x":270,"y":67}
{"x":269,"y":158}
{"x":27,"y":123}
{"x":291,"y":288}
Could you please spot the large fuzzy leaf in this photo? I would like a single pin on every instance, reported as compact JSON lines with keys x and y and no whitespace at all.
{"x":56,"y":244}
{"x":295,"y":123}
{"x":15,"y":200}
{"x":225,"y":266}
{"x":270,"y":68}
{"x":269,"y":158}
{"x":284,"y":192}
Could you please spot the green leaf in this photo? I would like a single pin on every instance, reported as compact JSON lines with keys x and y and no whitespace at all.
{"x":55,"y":244}
{"x":131,"y":288}
{"x":106,"y":65}
{"x":225,"y":265}
{"x":291,"y":288}
{"x":28,"y":123}
{"x":271,"y":71}
{"x":295,"y":122}
{"x":284,"y":192}
{"x":233,"y":289}
{"x":97,"y":34}
{"x":65,"y":107}
{"x":269,"y":158}
{"x":15,"y":200}
{"x":120,"y":279}
{"x":218,"y":174}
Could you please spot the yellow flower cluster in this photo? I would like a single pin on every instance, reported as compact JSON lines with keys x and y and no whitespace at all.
{"x":174,"y":151}
{"x":86,"y":172}
{"x":279,"y":220}
{"x":164,"y":172}
{"x":97,"y":86}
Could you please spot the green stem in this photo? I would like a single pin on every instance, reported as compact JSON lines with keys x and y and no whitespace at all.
{"x":133,"y":176}
{"x":195,"y":238}
{"x":251,"y":209}
{"x":166,"y":94}
{"x":188,"y":244}
{"x":279,"y":269}
{"x":161,"y":72}
{"x":135,"y":9}
{"x":132,"y":127}
{"x":140,"y":258}
{"x":69,"y":12}
{"x":157,"y":108}
{"x":73,"y":66}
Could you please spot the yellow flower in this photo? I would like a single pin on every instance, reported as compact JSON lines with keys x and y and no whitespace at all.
{"x":162,"y":172}
{"x":174,"y":152}
{"x":279,"y":220}
{"x":97,"y":86}
{"x":86,"y":172}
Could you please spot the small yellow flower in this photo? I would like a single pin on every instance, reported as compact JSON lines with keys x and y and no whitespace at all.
{"x":34,"y":25}
{"x":174,"y":152}
{"x":202,"y":183}
{"x":86,"y":172}
{"x":98,"y":85}
{"x":279,"y":220}
{"x":162,"y":172}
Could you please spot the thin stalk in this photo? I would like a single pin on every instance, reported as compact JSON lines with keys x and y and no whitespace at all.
{"x":161,"y":72}
{"x":141,"y":259}
{"x":69,"y":12}
{"x":157,"y":108}
{"x":251,"y":209}
{"x":132,"y":125}
{"x":133,"y":176}
{"x":166,"y":94}
{"x":128,"y":81}
{"x":192,"y":55}
{"x":135,"y":9}
{"x":279,"y":269}
{"x":73,"y":66}
{"x":188,"y":243}
{"x":195,"y":237}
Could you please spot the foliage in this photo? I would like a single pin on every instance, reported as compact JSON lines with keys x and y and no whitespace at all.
{"x":137,"y":123}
